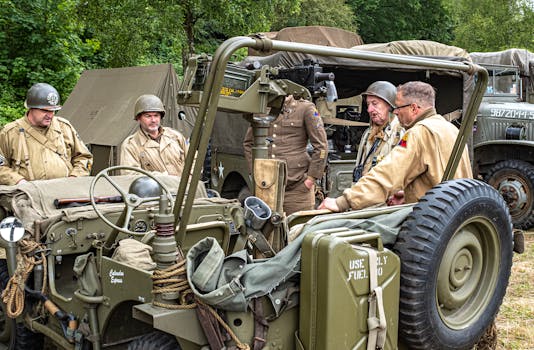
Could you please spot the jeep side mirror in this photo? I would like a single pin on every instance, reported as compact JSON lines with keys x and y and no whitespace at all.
{"x":11,"y":229}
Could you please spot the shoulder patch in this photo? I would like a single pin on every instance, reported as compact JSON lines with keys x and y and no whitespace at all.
{"x":316,"y":117}
{"x":404,"y":141}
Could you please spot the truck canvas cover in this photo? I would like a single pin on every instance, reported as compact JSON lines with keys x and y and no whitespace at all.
{"x":521,"y":58}
{"x":318,"y":35}
{"x":352,"y":77}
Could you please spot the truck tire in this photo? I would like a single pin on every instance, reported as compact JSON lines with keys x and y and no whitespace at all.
{"x":154,"y":341}
{"x":456,"y":255}
{"x":24,"y":338}
{"x":514,"y":179}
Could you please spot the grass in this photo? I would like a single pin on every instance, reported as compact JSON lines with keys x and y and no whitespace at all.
{"x":515,"y":322}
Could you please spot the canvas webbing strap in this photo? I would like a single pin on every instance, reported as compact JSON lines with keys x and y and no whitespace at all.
{"x":261,"y":326}
{"x":210,"y":326}
{"x":376,"y":323}
{"x":23,"y":148}
{"x":260,"y":242}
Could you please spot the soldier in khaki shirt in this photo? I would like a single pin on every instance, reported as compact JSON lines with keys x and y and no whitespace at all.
{"x":298,"y":122}
{"x":385,"y":131}
{"x":153,"y":148}
{"x":417,"y":164}
{"x":41,"y":145}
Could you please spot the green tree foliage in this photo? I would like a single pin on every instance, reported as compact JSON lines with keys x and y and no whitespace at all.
{"x":389,"y":20}
{"x":332,"y":13}
{"x":487,"y":25}
{"x":135,"y":32}
{"x":206,"y":23}
{"x":54,"y":40}
{"x":131,"y":32}
{"x":39,"y":42}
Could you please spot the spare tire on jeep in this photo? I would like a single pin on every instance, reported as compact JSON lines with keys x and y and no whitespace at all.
{"x":456,"y":255}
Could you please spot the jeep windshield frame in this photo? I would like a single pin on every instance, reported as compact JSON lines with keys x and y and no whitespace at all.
{"x":211,"y":94}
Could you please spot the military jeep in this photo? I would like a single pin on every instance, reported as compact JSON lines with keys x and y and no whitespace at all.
{"x":154,"y":264}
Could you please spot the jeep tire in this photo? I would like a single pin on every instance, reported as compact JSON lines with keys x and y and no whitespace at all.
{"x":514,"y":179}
{"x":24,"y":338}
{"x":456,"y":255}
{"x":154,"y":341}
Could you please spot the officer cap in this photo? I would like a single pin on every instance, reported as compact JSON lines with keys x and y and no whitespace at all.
{"x":148,"y":103}
{"x":384,"y":90}
{"x":42,"y":96}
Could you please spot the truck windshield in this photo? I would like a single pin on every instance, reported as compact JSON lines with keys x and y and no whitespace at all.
{"x":503,"y":81}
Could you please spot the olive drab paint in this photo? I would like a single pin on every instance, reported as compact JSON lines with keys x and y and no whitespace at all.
{"x":336,"y":276}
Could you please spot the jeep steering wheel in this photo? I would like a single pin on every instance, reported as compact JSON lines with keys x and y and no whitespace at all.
{"x":131,"y":200}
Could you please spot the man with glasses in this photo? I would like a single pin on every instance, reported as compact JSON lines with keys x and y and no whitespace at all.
{"x":160,"y":150}
{"x":41,"y":145}
{"x":418,"y":162}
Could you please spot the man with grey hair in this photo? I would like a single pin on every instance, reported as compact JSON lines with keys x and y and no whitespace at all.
{"x":418,"y":162}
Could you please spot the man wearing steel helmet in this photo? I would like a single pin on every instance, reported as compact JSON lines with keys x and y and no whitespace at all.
{"x":41,"y":145}
{"x":384,"y":131}
{"x":153,"y":147}
{"x":417,"y":163}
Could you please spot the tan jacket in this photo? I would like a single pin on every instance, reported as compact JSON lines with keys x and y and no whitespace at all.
{"x":416,"y":165}
{"x":392,"y":134}
{"x":290,"y":132}
{"x":34,"y":153}
{"x":166,"y":156}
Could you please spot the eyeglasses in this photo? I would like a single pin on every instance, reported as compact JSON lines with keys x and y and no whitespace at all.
{"x":399,"y":107}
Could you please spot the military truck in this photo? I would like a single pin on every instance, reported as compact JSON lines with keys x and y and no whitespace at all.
{"x":345,"y":118}
{"x":503,"y":139}
{"x":153,"y":264}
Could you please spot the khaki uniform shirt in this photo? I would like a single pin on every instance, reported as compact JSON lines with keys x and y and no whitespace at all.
{"x":166,"y":156}
{"x":416,"y":165}
{"x":392,"y":134}
{"x":34,"y":153}
{"x":298,"y":122}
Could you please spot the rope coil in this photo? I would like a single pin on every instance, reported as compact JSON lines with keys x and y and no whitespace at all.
{"x":174,"y":279}
{"x":31,"y":254}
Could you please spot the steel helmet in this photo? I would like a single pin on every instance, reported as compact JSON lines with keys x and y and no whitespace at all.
{"x":42,"y":96}
{"x":145,"y":187}
{"x":384,"y":90}
{"x":149,"y":103}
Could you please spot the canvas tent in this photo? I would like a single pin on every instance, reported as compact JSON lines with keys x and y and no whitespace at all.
{"x":101,"y":106}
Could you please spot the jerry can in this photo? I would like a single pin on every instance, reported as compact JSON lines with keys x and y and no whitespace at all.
{"x":339,"y":307}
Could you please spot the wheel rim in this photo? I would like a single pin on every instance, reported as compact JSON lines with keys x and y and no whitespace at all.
{"x":515,"y":191}
{"x":468,"y":270}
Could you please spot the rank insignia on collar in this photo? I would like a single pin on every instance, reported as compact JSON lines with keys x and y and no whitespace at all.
{"x":404,"y":141}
